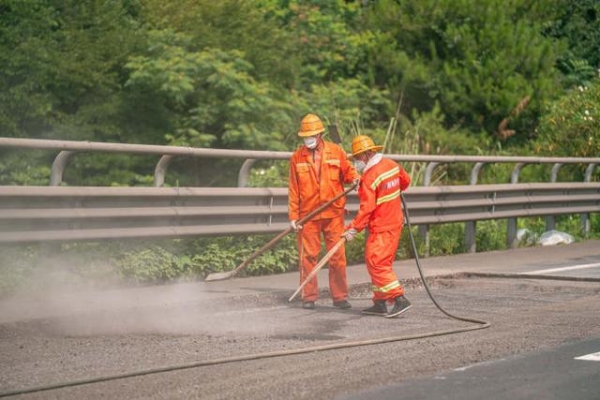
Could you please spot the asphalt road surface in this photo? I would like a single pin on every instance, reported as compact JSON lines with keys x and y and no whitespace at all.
{"x":534,"y":334}
{"x":568,"y":371}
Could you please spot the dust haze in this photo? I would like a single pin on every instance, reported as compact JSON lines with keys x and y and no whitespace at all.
{"x":55,"y":295}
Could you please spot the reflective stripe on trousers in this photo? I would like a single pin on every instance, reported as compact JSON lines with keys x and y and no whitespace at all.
{"x":380,"y":252}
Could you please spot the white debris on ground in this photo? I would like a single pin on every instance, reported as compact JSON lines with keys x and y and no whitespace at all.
{"x":554,"y":237}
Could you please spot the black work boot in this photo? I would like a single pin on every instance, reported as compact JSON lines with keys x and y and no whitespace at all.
{"x":343,"y":304}
{"x":379,"y":308}
{"x":400,"y":306}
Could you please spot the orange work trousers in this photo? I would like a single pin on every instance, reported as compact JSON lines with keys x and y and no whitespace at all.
{"x":380,"y":252}
{"x":309,"y":246}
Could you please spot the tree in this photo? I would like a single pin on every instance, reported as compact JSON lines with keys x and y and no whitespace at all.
{"x":578,"y":24}
{"x":62,"y":73}
{"x":28,"y":48}
{"x":62,"y":76}
{"x":478,"y":60}
{"x":569,"y":126}
{"x":211,"y":94}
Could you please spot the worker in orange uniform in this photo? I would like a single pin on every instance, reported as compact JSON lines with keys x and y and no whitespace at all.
{"x":318,"y":171}
{"x":380,"y":211}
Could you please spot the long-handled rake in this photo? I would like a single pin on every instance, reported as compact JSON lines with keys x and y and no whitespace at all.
{"x":218,"y":276}
{"x":317,"y":267}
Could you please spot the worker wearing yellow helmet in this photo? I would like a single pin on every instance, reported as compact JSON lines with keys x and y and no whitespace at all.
{"x":380,"y":211}
{"x":317,"y":173}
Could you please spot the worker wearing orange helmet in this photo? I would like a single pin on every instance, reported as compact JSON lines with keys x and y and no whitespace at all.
{"x":317,"y":173}
{"x":380,"y":211}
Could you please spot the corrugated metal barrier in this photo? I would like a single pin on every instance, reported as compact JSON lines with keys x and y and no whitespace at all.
{"x":62,"y":213}
{"x":36,"y":214}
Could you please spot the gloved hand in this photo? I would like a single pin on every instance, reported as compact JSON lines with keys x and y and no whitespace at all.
{"x":295,"y":226}
{"x":349,"y":234}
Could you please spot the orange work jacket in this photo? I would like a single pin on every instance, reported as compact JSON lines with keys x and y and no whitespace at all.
{"x":379,"y":194}
{"x":307,"y":191}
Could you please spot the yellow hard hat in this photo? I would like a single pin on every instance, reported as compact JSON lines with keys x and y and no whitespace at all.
{"x":311,"y":125}
{"x":363,"y":143}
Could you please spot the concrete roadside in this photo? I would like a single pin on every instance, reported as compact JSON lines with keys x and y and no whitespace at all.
{"x":530,"y":258}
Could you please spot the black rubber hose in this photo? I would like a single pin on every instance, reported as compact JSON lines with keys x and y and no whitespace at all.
{"x":425,"y":284}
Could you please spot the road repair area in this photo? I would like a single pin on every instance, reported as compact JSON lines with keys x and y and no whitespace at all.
{"x":241,"y":338}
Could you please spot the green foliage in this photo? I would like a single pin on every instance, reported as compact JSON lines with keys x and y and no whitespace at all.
{"x":491,"y":235}
{"x":432,"y":137}
{"x":16,"y":169}
{"x":192,"y":259}
{"x":211,"y":94}
{"x":61,"y":65}
{"x":327,"y":37}
{"x":282,"y":258}
{"x":478,"y":60}
{"x":149,"y":265}
{"x":248,"y":27}
{"x":569,"y":126}
{"x":578,"y":24}
{"x":594,"y":227}
{"x":344,"y":101}
{"x":446,"y":239}
{"x":577,"y":72}
{"x":425,"y":133}
{"x":28,"y":57}
{"x":274,"y":174}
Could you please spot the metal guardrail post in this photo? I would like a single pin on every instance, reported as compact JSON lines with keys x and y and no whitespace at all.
{"x":475,"y":173}
{"x":585,"y":218}
{"x":511,"y":223}
{"x":514,"y":176}
{"x":550,"y":220}
{"x":161,"y":170}
{"x":58,"y":167}
{"x":554,"y":173}
{"x":423,"y":230}
{"x":588,"y":172}
{"x":243,"y":175}
{"x":471,"y":226}
{"x":429,"y":173}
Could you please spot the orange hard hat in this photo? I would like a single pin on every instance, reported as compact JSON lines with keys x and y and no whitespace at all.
{"x":311,"y":125}
{"x":363,"y":143}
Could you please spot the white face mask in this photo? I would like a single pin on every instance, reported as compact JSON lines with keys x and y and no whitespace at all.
{"x":310,"y":142}
{"x":360,"y":165}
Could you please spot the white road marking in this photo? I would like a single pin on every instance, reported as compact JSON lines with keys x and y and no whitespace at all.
{"x":590,"y":357}
{"x":571,"y":268}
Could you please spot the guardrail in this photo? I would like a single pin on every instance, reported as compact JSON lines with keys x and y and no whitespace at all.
{"x":68,"y":149}
{"x":45,"y":214}
{"x":100,"y":216}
